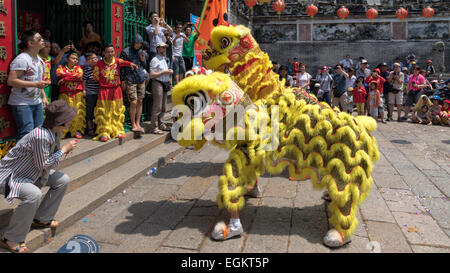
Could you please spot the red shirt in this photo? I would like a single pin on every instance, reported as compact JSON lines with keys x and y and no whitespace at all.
{"x":108,"y":75}
{"x":71,"y":79}
{"x":380,"y":80}
{"x":295,"y":67}
{"x":359,"y":95}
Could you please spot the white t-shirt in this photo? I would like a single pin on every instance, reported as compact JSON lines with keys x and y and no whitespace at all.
{"x":177,"y":48}
{"x":350,"y":82}
{"x":303,"y":79}
{"x":159,"y":65}
{"x":33,"y":71}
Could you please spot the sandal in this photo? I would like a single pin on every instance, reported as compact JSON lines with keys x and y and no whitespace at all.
{"x":14,"y":249}
{"x":78,"y":135}
{"x":104,"y":139}
{"x":39,"y":224}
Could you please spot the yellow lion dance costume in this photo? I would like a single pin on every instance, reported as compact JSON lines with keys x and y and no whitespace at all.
{"x":333,"y":149}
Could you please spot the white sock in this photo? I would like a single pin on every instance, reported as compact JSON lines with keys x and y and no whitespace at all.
{"x":235,"y":224}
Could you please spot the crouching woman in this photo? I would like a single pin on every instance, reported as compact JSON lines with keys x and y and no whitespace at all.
{"x":29,"y":166}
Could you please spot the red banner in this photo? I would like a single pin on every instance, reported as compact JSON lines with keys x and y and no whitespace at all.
{"x":117,"y":27}
{"x":7,"y":50}
{"x":29,"y":21}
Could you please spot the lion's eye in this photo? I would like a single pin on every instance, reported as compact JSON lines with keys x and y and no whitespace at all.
{"x":225,"y":42}
{"x":227,"y":98}
{"x":197,"y":102}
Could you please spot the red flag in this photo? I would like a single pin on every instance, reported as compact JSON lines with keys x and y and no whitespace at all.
{"x":214,"y":14}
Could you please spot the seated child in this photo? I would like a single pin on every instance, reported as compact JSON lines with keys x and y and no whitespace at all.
{"x":445,"y":113}
{"x":435,"y":109}
{"x":423,"y":116}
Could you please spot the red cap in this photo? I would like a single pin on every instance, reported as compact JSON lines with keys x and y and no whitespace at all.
{"x":377,"y":70}
{"x":324,"y":67}
{"x":446,"y":101}
{"x":429,"y":61}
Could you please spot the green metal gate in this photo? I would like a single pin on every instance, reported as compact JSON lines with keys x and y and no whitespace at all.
{"x":136,"y":19}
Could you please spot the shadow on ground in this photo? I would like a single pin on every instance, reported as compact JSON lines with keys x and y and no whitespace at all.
{"x":311,"y":222}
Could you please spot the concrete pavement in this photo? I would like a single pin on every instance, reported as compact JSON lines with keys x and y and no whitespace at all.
{"x":174,"y":210}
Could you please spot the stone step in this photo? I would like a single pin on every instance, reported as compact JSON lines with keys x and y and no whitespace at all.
{"x":84,"y":171}
{"x":84,"y":199}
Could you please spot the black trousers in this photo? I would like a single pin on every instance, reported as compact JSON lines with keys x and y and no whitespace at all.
{"x":189,"y":62}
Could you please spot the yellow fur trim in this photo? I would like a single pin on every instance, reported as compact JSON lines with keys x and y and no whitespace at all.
{"x":109,"y":117}
{"x":79,"y":122}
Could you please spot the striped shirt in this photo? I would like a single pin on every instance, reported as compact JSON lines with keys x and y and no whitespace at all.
{"x":92,"y":86}
{"x":26,"y":161}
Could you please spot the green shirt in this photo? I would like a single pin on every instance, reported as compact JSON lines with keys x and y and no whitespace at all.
{"x":188,"y":48}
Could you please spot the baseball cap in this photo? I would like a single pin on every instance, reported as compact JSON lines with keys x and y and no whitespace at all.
{"x":364,"y":61}
{"x":377,"y":70}
{"x":429,"y":61}
{"x":397,"y":64}
{"x":324,"y":67}
{"x":161,"y":44}
{"x":384,"y":64}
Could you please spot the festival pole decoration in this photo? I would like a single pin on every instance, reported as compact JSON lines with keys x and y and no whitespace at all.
{"x":401,"y":14}
{"x":251,"y":4}
{"x":372,"y":14}
{"x":428,"y":12}
{"x":343,"y":13}
{"x":278,"y":6}
{"x":312,"y":10}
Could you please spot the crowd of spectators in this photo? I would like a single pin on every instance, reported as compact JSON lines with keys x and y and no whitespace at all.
{"x":361,"y":89}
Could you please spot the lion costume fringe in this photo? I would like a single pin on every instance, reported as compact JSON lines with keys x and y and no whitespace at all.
{"x":333,"y":149}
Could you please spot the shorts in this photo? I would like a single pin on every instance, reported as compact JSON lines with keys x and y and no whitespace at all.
{"x":136,"y":91}
{"x":360,"y":107}
{"x":412,"y":98}
{"x":179,"y":68}
{"x":381,"y":106}
{"x":396,"y":99}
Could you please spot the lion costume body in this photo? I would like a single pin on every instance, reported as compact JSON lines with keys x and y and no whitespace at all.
{"x":333,"y":149}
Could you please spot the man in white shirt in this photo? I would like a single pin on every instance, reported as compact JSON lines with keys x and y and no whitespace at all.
{"x":178,"y":39}
{"x":156,"y":32}
{"x":161,"y":85}
{"x":347,"y":62}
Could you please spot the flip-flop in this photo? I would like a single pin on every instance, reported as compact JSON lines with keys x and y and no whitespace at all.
{"x":15,"y":249}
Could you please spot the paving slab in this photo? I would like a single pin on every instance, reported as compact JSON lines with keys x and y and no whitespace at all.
{"x":402,"y":200}
{"x":174,"y":250}
{"x":190,"y":232}
{"x":389,"y":236}
{"x":388,"y":180}
{"x":374,"y":208}
{"x":421,"y":229}
{"x":439,"y":209}
{"x":146,"y":238}
{"x":307,"y":232}
{"x":170,"y":213}
{"x":429,"y":249}
{"x":308,"y":197}
{"x":280,"y":187}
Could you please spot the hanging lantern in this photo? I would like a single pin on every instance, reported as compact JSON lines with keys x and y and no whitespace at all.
{"x":372,"y":14}
{"x":401,"y":13}
{"x":278,"y":6}
{"x":343,"y":13}
{"x":312,"y":10}
{"x":428,"y":12}
{"x":251,"y":4}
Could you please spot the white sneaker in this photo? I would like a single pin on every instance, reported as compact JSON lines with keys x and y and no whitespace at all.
{"x":223,"y":232}
{"x":334,"y":239}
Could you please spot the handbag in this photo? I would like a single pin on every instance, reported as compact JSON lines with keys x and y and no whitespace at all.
{"x":167,"y":86}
